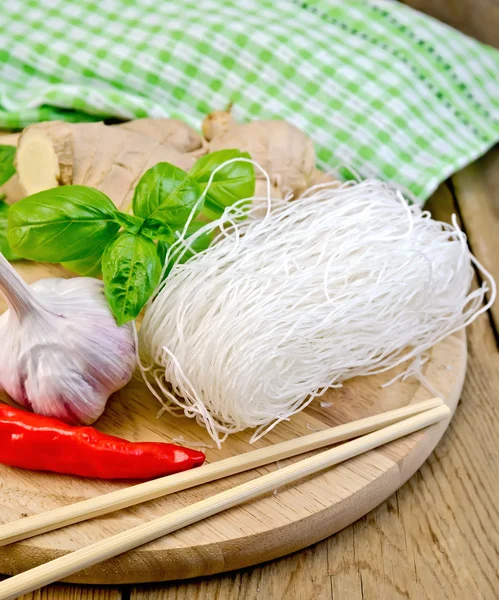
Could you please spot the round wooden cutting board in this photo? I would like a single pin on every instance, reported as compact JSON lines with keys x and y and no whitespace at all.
{"x":280,"y":523}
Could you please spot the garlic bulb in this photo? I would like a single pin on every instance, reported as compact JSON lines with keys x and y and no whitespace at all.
{"x":62,"y":353}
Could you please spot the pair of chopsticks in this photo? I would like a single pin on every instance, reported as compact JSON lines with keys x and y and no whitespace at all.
{"x":369,"y":433}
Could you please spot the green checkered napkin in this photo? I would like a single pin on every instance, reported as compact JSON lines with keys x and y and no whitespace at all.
{"x":378,"y":86}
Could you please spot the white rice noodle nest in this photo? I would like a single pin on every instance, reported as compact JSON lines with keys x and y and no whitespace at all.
{"x":347,"y":280}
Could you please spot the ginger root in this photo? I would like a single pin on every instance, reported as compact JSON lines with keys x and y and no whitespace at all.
{"x":174,"y":132}
{"x":44,"y":157}
{"x":113,"y":158}
{"x":109,"y":158}
{"x":285,"y":152}
{"x":323,"y":177}
{"x":217,"y":124}
{"x":260,"y":201}
{"x":261,"y":190}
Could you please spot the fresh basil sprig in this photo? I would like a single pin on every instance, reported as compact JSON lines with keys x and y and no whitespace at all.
{"x":166,"y":194}
{"x":80,"y":227}
{"x":232,"y":182}
{"x":62,"y":224}
{"x":7,"y":168}
{"x":88,"y":267}
{"x":5,"y":248}
{"x":130,"y":223}
{"x":181,"y":254}
{"x":131,"y":268}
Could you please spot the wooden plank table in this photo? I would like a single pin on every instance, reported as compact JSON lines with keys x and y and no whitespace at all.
{"x":437,"y":537}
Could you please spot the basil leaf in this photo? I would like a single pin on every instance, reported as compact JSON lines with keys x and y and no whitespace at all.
{"x":130,"y":223}
{"x":5,"y":248}
{"x":200,"y":243}
{"x":88,"y":267}
{"x":62,"y":224}
{"x":232,"y":182}
{"x":131,"y":268}
{"x":157,"y":230}
{"x":167,"y":194}
{"x":181,"y":254}
{"x":162,"y":249}
{"x":7,"y":168}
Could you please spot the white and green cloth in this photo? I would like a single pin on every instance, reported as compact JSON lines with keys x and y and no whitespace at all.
{"x":378,"y":86}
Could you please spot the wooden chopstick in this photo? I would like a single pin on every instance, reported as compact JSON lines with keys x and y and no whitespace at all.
{"x":150,"y":490}
{"x":95,"y":553}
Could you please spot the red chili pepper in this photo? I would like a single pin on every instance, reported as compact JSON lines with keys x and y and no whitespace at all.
{"x":31,"y":441}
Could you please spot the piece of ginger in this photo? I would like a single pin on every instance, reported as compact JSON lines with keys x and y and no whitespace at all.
{"x":109,"y":158}
{"x":320,"y":177}
{"x":113,"y":158}
{"x":174,"y":132}
{"x":44,"y":156}
{"x":285,"y":152}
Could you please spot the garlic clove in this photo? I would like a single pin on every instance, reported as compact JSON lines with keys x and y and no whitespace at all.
{"x":62,"y":354}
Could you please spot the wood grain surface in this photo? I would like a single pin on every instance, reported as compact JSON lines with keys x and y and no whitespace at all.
{"x":275,"y":525}
{"x":477,"y":18}
{"x":437,"y":537}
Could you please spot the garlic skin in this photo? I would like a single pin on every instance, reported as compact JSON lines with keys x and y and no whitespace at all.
{"x":62,"y":353}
